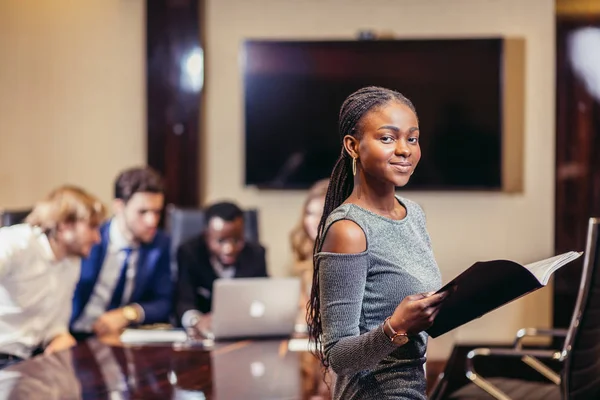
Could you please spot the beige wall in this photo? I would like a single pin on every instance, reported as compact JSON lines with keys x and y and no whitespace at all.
{"x":465,"y":227}
{"x":72,"y":106}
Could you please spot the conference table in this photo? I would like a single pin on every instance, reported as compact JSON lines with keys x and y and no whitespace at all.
{"x":108,"y":369}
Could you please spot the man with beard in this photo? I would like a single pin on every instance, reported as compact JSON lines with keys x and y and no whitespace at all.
{"x":220,"y":252}
{"x":39,"y":268}
{"x":126,"y":280}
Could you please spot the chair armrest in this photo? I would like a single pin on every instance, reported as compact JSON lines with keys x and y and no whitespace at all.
{"x":486,"y":385}
{"x":484,"y":351}
{"x":533,"y":362}
{"x":525,"y":332}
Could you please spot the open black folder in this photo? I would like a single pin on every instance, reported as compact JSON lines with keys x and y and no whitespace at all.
{"x":487,"y":285}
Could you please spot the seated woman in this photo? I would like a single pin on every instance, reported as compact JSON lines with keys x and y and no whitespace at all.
{"x":302,"y":240}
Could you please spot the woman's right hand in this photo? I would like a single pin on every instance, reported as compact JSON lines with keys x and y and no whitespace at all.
{"x":416,"y":312}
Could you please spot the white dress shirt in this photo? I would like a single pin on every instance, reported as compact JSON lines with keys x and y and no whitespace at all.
{"x":223,"y":272}
{"x":108,"y":278}
{"x":36,"y":290}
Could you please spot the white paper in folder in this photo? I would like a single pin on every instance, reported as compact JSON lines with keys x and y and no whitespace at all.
{"x":153,"y":336}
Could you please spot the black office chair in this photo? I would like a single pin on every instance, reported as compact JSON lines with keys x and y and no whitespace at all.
{"x":579,"y":359}
{"x":13,"y":217}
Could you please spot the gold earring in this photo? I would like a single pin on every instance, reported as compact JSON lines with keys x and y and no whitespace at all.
{"x":354,"y":165}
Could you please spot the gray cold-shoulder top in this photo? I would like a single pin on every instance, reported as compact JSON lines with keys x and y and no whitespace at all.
{"x":358,"y":291}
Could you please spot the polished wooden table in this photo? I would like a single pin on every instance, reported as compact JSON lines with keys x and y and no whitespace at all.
{"x":106,"y":369}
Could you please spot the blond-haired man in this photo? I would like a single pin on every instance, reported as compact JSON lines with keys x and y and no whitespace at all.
{"x":39,"y":268}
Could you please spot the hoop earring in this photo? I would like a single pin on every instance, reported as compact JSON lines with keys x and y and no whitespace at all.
{"x":354,"y":165}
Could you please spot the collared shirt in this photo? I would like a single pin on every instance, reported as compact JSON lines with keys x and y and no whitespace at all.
{"x":222,"y":271}
{"x":35,"y":290}
{"x":108,"y":278}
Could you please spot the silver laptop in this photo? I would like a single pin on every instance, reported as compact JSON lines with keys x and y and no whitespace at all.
{"x":254,"y":307}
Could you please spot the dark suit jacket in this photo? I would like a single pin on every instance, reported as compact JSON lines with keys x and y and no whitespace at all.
{"x":196,"y":274}
{"x":153,"y":288}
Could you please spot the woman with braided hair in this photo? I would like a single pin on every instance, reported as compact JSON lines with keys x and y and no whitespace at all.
{"x":374,"y":274}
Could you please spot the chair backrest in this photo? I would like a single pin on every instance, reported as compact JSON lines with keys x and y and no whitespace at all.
{"x":184,"y":223}
{"x":13,"y":217}
{"x":581,"y":375}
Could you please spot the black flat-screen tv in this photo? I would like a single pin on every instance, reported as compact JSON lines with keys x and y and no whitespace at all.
{"x":293,"y":91}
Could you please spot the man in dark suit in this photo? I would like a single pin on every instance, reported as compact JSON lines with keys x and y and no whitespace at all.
{"x":126,"y":279}
{"x":219,"y":253}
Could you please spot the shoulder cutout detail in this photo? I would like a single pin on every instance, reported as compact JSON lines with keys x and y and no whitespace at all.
{"x":344,"y":236}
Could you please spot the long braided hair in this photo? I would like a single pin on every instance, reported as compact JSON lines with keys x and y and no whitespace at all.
{"x":340,"y":187}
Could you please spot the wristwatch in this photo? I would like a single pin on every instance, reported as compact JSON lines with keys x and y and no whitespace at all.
{"x":397,"y":338}
{"x":131,"y":314}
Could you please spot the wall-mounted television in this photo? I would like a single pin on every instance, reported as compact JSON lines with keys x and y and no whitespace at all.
{"x":293,"y":91}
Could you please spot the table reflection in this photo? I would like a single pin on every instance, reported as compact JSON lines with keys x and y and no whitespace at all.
{"x":51,"y":377}
{"x":98,"y":370}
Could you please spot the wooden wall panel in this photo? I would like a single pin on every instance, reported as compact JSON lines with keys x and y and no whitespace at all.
{"x":175,"y":77}
{"x":577,"y":165}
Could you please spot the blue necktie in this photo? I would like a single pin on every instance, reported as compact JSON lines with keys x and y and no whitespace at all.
{"x":117,"y":296}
